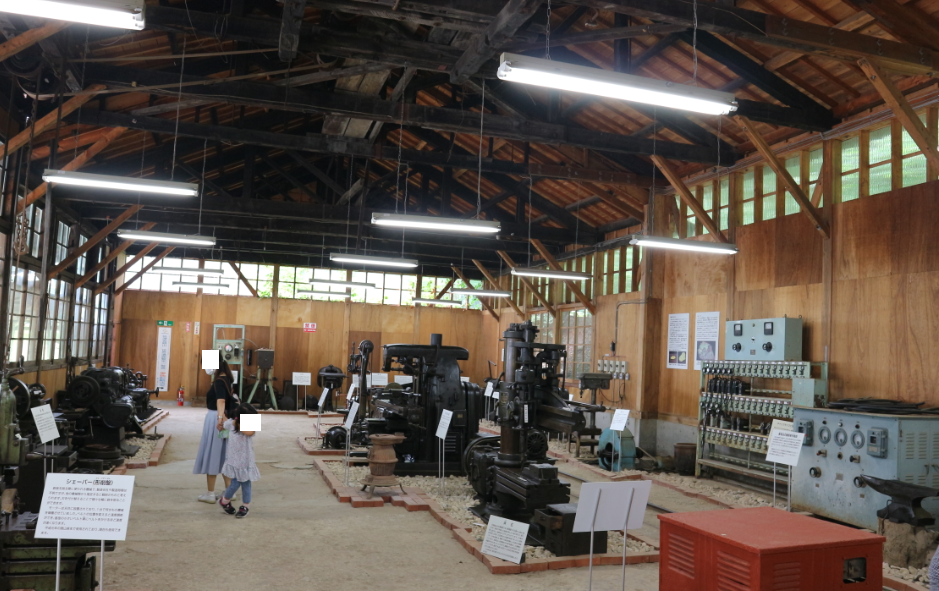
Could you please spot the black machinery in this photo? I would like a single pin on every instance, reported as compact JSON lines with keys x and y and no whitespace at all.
{"x":331,"y":378}
{"x":26,"y":562}
{"x":335,"y":438}
{"x":511,"y":473}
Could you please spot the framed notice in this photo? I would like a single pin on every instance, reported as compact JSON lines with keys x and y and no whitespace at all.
{"x":678,"y":341}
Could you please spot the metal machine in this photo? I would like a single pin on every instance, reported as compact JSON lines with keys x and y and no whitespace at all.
{"x":330,"y":378}
{"x":841,"y":446}
{"x":764,"y":339}
{"x":264,"y":378}
{"x":229,"y":339}
{"x":590,"y":434}
{"x":617,"y":450}
{"x":512,"y":473}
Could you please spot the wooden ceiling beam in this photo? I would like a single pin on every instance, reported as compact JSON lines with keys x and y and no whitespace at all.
{"x":110,"y":257}
{"x":48,"y":122}
{"x":689,"y":199}
{"x":925,"y":141}
{"x":459,"y":273}
{"x":572,"y":285}
{"x":243,"y":279}
{"x":900,"y":21}
{"x":146,"y":268}
{"x":528,"y":285}
{"x":93,"y":241}
{"x":598,"y":36}
{"x":794,"y":189}
{"x":495,"y":285}
{"x":290,"y":24}
{"x":290,"y":178}
{"x":140,"y":254}
{"x":31,"y":37}
{"x":445,"y":289}
{"x":498,"y":33}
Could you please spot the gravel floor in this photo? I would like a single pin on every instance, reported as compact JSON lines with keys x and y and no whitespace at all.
{"x":455,"y":495}
{"x":146,"y":443}
{"x":724,"y":492}
{"x":913,"y":575}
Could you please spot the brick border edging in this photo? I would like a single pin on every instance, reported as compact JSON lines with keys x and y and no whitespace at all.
{"x":301,"y":441}
{"x":415,"y":499}
{"x":901,"y":585}
{"x":153,"y":421}
{"x":153,"y":460}
{"x":326,"y":415}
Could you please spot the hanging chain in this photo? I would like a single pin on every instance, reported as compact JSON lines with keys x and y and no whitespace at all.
{"x":205,"y":147}
{"x":179,"y":98}
{"x":547,"y":36}
{"x":479,"y":173}
{"x":694,"y":43}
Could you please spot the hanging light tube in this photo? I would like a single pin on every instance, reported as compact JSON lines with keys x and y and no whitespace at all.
{"x":119,"y":183}
{"x":141,"y":236}
{"x":200,"y":284}
{"x":428,"y":222}
{"x":119,"y":14}
{"x":551,"y":274}
{"x":639,"y":89}
{"x":338,"y":257}
{"x":332,"y":282}
{"x":433,"y":302}
{"x":334,"y":294}
{"x":186,"y":271}
{"x":687,"y":245}
{"x":482,"y":293}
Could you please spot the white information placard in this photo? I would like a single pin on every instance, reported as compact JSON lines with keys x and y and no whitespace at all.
{"x":302,"y":379}
{"x":377,"y":379}
{"x":351,"y":389}
{"x":404,"y":380}
{"x":505,"y":539}
{"x":45,"y":423}
{"x":234,"y":376}
{"x":351,"y":417}
{"x":781,"y":425}
{"x":464,"y":378}
{"x":250,"y":422}
{"x":444,"y":425}
{"x":488,"y":392}
{"x":619,"y":419}
{"x":678,"y":341}
{"x":85,"y":506}
{"x":164,"y":344}
{"x":323,"y":398}
{"x":707,"y":331}
{"x":210,"y":358}
{"x":609,"y":514}
{"x":784,"y":447}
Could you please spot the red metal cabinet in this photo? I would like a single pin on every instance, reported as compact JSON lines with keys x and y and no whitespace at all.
{"x":765,"y":549}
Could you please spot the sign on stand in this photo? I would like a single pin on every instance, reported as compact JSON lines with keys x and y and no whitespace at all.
{"x":488,"y":390}
{"x":323,"y":399}
{"x":781,"y":425}
{"x":619,"y":419}
{"x":505,"y":539}
{"x":85,"y":507}
{"x":45,"y":423}
{"x":444,"y":425}
{"x":354,"y":410}
{"x":377,"y":379}
{"x":404,"y":380}
{"x":785,"y":447}
{"x":302,"y":379}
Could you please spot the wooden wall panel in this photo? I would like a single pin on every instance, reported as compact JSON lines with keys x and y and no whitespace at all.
{"x":756,"y":261}
{"x":914,"y":248}
{"x":862,"y":236}
{"x":627,"y":346}
{"x":797,"y":252}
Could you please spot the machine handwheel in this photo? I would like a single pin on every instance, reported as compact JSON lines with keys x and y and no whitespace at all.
{"x":84,"y":390}
{"x":468,"y":452}
{"x":21,"y":393}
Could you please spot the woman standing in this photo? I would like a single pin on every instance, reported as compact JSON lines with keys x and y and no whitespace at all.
{"x":211,"y":455}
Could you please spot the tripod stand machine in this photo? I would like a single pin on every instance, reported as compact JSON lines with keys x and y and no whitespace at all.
{"x":264,"y":377}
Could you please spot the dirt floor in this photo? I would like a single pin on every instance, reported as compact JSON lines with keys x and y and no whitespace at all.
{"x":298,"y":537}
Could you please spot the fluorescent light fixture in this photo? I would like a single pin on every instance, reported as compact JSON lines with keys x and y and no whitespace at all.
{"x":120,"y":14}
{"x":428,"y":222}
{"x":550,"y":274}
{"x":335,"y":283}
{"x":689,"y":245}
{"x":482,"y":293}
{"x":199,"y":284}
{"x":360,"y":259}
{"x":186,"y":271}
{"x":104,"y":181}
{"x":433,"y":302}
{"x":334,"y":294}
{"x":560,"y":76}
{"x":141,"y":236}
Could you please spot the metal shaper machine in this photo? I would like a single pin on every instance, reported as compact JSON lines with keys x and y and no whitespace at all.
{"x":617,"y":450}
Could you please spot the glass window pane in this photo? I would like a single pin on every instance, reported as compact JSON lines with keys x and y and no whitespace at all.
{"x":707,"y":197}
{"x":792,"y":206}
{"x":879,"y":145}
{"x":880,"y":179}
{"x":850,"y":154}
{"x":748,"y":213}
{"x":769,"y":180}
{"x":914,"y":170}
{"x":725,"y":192}
{"x":748,"y":184}
{"x":769,"y":207}
{"x":794,"y":168}
{"x":850,"y":186}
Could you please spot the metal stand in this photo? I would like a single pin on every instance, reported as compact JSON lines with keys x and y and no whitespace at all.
{"x":625,"y":537}
{"x":593,"y":523}
{"x":774,"y":485}
{"x":58,"y":562}
{"x":101,"y":568}
{"x":264,"y":381}
{"x":348,"y":452}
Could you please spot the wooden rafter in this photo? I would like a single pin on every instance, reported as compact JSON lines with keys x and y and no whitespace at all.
{"x":901,"y":107}
{"x":445,"y":289}
{"x":243,"y":279}
{"x":143,"y":252}
{"x":93,"y":241}
{"x":146,"y":268}
{"x":30,"y":37}
{"x":498,"y":34}
{"x":553,"y":263}
{"x":688,"y":199}
{"x":794,"y":189}
{"x":495,"y":285}
{"x":46,"y":123}
{"x":485,"y":304}
{"x":111,"y":256}
{"x":900,"y":21}
{"x":541,"y":299}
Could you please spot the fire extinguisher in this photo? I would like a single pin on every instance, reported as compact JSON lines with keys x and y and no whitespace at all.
{"x":180,"y":396}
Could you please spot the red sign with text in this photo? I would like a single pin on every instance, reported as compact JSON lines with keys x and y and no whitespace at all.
{"x":309,"y":327}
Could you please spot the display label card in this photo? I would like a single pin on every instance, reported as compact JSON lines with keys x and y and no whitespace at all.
{"x":488,"y":392}
{"x":210,"y":358}
{"x":323,"y":398}
{"x":377,"y":379}
{"x":603,"y":504}
{"x":85,"y":506}
{"x":196,"y":329}
{"x":444,"y":425}
{"x":619,"y":419}
{"x":403,"y":380}
{"x":780,"y":425}
{"x":234,"y":376}
{"x":45,"y":423}
{"x":351,"y":417}
{"x":505,"y":539}
{"x":351,"y":388}
{"x":250,"y":422}
{"x":302,"y":379}
{"x":464,"y":378}
{"x":785,"y":447}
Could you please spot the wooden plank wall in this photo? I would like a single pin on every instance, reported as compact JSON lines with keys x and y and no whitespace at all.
{"x":338,"y":325}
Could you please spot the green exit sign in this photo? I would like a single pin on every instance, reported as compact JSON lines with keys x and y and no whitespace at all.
{"x":164,"y":323}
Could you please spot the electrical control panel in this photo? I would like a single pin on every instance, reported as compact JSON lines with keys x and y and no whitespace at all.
{"x":827,"y":480}
{"x":618,"y":368}
{"x":229,"y":341}
{"x":764,"y":339}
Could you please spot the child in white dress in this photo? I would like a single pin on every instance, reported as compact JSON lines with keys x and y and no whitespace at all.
{"x":239,"y":464}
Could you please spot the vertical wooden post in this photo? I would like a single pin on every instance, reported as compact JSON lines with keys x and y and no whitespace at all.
{"x":275,"y":306}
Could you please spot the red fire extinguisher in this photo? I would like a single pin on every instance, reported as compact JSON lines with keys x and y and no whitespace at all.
{"x":180,"y":396}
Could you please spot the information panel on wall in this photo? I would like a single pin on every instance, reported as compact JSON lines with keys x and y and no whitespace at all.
{"x":164,"y":342}
{"x":678,"y":341}
{"x":707,"y":330}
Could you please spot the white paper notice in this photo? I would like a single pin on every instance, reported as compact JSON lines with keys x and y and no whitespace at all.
{"x":619,"y":419}
{"x":707,"y":330}
{"x":164,"y":344}
{"x":210,"y":358}
{"x":351,"y":388}
{"x":234,"y":376}
{"x":464,"y":378}
{"x":678,"y":341}
{"x":780,"y":425}
{"x":45,"y":423}
{"x":250,"y":422}
{"x":377,"y":379}
{"x":609,"y":514}
{"x":505,"y":539}
{"x":784,"y":447}
{"x":85,"y":506}
{"x":444,"y":425}
{"x":302,"y":379}
{"x":351,"y":417}
{"x":488,"y":390}
{"x":323,"y":398}
{"x":403,"y":380}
